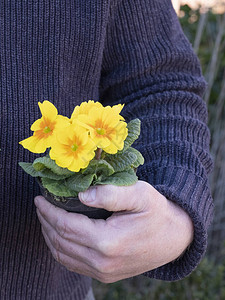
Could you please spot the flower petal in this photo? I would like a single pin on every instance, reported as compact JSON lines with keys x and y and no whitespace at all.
{"x":33,"y":144}
{"x":48,"y":110}
{"x":117,"y":108}
{"x":111,"y":149}
{"x":85,"y":108}
{"x":76,"y":165}
{"x":41,"y":146}
{"x":37,"y":125}
{"x":62,"y":122}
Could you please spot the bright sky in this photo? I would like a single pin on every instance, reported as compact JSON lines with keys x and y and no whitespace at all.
{"x":217,"y":5}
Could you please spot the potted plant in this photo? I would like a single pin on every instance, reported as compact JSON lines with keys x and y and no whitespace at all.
{"x":93,"y":147}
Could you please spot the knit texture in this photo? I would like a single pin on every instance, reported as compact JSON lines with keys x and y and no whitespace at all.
{"x":123,"y":51}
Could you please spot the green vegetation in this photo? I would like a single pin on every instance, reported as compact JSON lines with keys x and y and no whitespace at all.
{"x":207,"y":282}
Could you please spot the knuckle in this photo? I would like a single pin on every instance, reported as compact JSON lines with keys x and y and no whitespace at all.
{"x":108,"y":248}
{"x":150,"y":196}
{"x":107,"y":195}
{"x":56,"y":242}
{"x":62,"y":228}
{"x":105,"y":268}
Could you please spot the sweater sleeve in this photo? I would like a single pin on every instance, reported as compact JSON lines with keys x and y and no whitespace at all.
{"x":149,"y":65}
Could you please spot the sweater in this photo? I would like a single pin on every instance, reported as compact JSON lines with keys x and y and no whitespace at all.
{"x":120,"y":51}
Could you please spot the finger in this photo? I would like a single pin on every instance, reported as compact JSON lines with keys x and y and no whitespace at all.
{"x":72,"y":264}
{"x":70,"y":226}
{"x":119,"y":198}
{"x":72,"y":250}
{"x":57,"y":238}
{"x":101,"y":269}
{"x":69,"y":248}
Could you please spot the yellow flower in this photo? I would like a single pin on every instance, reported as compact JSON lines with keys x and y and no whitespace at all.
{"x":105,"y":127}
{"x":44,"y":128}
{"x":84,"y":108}
{"x":72,"y":149}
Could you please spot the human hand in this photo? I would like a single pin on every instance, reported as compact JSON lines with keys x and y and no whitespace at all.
{"x":145,"y":232}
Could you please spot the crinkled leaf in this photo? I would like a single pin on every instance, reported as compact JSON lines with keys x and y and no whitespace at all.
{"x":46,"y":162}
{"x":45,"y":173}
{"x":134,"y":128}
{"x":39,"y":166}
{"x":121,"y":178}
{"x":28,"y":168}
{"x":58,"y":188}
{"x":79,"y":182}
{"x":99,"y":167}
{"x":121,"y":160}
{"x":140,"y":159}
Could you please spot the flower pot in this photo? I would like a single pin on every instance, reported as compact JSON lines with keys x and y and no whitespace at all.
{"x":73,"y":204}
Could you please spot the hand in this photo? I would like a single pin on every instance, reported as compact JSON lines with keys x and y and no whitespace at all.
{"x":145,"y":232}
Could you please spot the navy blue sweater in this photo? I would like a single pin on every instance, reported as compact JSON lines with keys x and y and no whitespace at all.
{"x":120,"y":51}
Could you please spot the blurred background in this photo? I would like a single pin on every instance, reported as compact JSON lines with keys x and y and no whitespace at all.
{"x":203,"y":22}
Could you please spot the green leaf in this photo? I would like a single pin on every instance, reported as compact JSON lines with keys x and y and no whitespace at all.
{"x":79,"y":182}
{"x":58,"y":187}
{"x":28,"y":168}
{"x":121,"y":178}
{"x":99,"y":167}
{"x":46,"y":173}
{"x":134,"y":128}
{"x":46,"y":162}
{"x":38,"y":166}
{"x":121,"y":160}
{"x":140,"y":159}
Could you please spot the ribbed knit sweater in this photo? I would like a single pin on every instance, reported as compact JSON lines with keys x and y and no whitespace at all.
{"x":120,"y":51}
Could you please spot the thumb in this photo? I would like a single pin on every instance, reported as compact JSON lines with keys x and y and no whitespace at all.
{"x":118,"y":198}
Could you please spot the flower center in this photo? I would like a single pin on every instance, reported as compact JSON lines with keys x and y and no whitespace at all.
{"x":74,"y":147}
{"x":100,"y":131}
{"x":47,"y":129}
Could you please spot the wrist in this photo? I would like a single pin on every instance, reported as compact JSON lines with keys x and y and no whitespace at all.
{"x":182,"y":224}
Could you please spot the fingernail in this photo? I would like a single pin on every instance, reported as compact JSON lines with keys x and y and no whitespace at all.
{"x":89,"y":195}
{"x":37,"y":200}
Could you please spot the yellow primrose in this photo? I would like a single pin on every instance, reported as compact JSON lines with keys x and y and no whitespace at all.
{"x":72,"y":149}
{"x":84,"y":108}
{"x":44,"y":128}
{"x":105,"y":127}
{"x":117,"y":108}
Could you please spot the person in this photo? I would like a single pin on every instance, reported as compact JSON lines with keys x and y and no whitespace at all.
{"x":132,"y":52}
